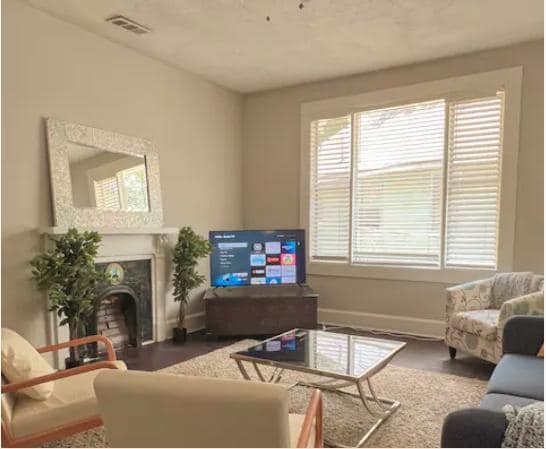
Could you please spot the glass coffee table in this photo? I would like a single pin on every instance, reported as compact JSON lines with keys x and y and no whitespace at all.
{"x":342,"y":360}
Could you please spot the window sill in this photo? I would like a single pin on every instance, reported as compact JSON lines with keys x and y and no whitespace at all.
{"x":432,"y":275}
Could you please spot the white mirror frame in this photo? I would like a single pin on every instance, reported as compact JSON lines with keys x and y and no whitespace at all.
{"x":59,"y":135}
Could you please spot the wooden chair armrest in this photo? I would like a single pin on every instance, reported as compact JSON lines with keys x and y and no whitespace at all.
{"x":9,"y":388}
{"x":314,"y":412}
{"x":80,"y":342}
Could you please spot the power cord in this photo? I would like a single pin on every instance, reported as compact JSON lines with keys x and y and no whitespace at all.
{"x":329,"y":328}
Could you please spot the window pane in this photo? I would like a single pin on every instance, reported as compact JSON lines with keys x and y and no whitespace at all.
{"x":398,"y":184}
{"x":330,"y":188}
{"x":135,"y":188}
{"x":473,"y":192}
{"x":107,"y":193}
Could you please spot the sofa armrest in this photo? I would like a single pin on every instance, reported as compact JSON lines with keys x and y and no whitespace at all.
{"x":523,"y":335}
{"x":474,"y":295}
{"x":474,"y":427}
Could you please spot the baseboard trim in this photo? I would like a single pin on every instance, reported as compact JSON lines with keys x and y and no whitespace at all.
{"x":194,"y":322}
{"x":371,"y":321}
{"x":379,"y":322}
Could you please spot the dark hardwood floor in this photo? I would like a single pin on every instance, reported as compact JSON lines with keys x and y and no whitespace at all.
{"x":418,"y":354}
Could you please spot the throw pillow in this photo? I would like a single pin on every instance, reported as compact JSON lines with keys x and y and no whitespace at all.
{"x":541,"y":351}
{"x":525,"y":425}
{"x":20,"y":361}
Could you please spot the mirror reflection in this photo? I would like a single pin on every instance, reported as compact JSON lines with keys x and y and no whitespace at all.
{"x":108,"y":181}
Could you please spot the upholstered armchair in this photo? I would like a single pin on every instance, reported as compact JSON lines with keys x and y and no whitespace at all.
{"x":143,"y":409}
{"x":477,"y":311}
{"x":44,"y":404}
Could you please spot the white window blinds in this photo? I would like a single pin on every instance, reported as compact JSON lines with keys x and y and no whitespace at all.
{"x":107,"y":193}
{"x":398,"y":184}
{"x":412,"y":185}
{"x":473,"y":184}
{"x":330,"y":188}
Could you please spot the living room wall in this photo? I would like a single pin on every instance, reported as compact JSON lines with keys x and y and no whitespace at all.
{"x":271,"y":168}
{"x":53,"y":69}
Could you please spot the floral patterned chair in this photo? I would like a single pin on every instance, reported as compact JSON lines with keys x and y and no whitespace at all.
{"x":477,"y":311}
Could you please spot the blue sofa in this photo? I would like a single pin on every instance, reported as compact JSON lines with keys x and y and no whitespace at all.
{"x":518,"y":379}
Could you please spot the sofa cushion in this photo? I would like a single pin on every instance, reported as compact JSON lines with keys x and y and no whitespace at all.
{"x":496,"y":401}
{"x":482,"y":323}
{"x":20,"y":362}
{"x":519,"y":375}
{"x":73,"y":399}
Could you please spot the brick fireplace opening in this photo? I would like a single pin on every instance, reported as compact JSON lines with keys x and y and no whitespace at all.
{"x":123,"y":310}
{"x":117,"y":317}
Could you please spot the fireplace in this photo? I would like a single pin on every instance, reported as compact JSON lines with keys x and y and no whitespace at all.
{"x":123,"y":310}
{"x":140,"y":261}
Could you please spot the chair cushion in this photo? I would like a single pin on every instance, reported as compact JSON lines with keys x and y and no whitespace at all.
{"x":296,"y":423}
{"x":496,"y":401}
{"x":20,"y":361}
{"x":73,"y":399}
{"x":519,"y":375}
{"x":482,"y":323}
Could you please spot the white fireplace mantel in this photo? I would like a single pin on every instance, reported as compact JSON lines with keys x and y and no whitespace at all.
{"x":59,"y":230}
{"x":122,"y":245}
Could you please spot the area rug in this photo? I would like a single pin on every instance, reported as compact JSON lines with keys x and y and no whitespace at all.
{"x":426,"y":397}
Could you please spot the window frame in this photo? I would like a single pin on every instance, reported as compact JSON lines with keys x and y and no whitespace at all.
{"x":451,"y":89}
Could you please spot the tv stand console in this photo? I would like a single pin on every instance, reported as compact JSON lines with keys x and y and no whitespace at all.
{"x":260,"y":310}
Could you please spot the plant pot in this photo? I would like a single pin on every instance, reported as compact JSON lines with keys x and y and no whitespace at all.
{"x":179,"y":335}
{"x":69,"y":363}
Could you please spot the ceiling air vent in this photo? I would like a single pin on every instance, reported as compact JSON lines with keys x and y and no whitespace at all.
{"x":128,"y":24}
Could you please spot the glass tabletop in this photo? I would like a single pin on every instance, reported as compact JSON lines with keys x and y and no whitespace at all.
{"x":325,"y":353}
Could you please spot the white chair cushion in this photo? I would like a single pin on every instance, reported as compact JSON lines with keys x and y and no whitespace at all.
{"x":73,"y":399}
{"x":296,"y":423}
{"x":482,"y":323}
{"x":20,"y":361}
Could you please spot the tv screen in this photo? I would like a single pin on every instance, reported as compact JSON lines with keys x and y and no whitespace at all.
{"x":257,"y":257}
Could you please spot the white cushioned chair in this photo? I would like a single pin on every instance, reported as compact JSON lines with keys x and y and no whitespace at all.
{"x":477,"y":311}
{"x":141,"y":409}
{"x":70,"y":406}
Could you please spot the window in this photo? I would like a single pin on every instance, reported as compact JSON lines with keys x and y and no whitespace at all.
{"x":107,"y":193}
{"x":125,"y":191}
{"x":416,"y":185}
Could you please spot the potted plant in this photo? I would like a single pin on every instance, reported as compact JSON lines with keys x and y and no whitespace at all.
{"x":188,"y":250}
{"x":69,"y":276}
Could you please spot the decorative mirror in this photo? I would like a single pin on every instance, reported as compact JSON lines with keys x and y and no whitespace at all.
{"x":101,"y":179}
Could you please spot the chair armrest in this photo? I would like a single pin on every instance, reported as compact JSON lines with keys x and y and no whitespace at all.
{"x":523,"y":335}
{"x":530,"y":304}
{"x":474,"y":427}
{"x":9,"y":388}
{"x":474,"y":295}
{"x":314,"y":412}
{"x":82,"y":341}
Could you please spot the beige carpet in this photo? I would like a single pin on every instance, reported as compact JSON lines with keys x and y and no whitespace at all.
{"x":426,"y":398}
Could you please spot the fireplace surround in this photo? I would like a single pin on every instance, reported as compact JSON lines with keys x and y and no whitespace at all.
{"x":144,"y":255}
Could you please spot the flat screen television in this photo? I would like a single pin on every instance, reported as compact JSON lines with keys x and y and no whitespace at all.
{"x":257,"y":257}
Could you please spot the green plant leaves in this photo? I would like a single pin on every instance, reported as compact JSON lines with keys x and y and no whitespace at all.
{"x":69,"y":276}
{"x":189,"y":248}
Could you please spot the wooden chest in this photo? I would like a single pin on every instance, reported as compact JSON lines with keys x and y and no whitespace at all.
{"x":260,"y":310}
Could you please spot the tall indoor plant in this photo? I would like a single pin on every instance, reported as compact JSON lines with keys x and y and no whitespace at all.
{"x":188,"y":250}
{"x":69,"y":276}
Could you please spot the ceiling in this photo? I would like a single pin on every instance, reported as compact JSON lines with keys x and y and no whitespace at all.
{"x":231,"y":42}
